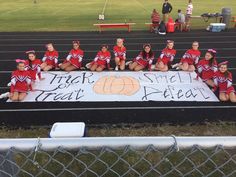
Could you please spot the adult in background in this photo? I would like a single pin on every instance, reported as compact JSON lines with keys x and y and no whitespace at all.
{"x":189,"y":12}
{"x":155,"y":17}
{"x":181,"y":20}
{"x":166,"y":10}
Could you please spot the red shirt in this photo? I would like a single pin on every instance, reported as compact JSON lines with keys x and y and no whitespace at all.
{"x":223,"y":82}
{"x":205,"y":70}
{"x":191,"y":57}
{"x":51,"y":58}
{"x":155,"y":17}
{"x":34,"y":69}
{"x":103,"y":58}
{"x":75,"y":57}
{"x":119,"y":52}
{"x":144,"y":61}
{"x":20,"y":81}
{"x":167,"y":56}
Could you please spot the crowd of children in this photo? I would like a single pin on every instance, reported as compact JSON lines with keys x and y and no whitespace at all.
{"x":216,"y":76}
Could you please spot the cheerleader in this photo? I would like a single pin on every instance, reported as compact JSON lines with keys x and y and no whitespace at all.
{"x":190,"y":59}
{"x":101,"y":61}
{"x":33,"y":65}
{"x":207,"y":67}
{"x":143,"y":60}
{"x":223,"y":80}
{"x":20,"y":82}
{"x":74,"y":59}
{"x":166,"y":57}
{"x":50,"y":58}
{"x":120,"y":54}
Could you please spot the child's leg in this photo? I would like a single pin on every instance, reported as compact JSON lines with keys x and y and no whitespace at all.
{"x":70,"y":68}
{"x":117,"y":61}
{"x":210,"y":83}
{"x":223,"y":97}
{"x":122,"y":65}
{"x":47,"y":68}
{"x":93,"y":67}
{"x":191,"y":68}
{"x":14,"y":96}
{"x":232,"y":97}
{"x":132,"y":65}
{"x":184,"y":66}
{"x":99,"y":68}
{"x":43,"y":65}
{"x":161,"y":66}
{"x":138,"y":68}
{"x":63,"y":66}
{"x":22,"y":96}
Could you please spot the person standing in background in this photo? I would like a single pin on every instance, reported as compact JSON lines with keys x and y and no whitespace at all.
{"x":155,"y":17}
{"x":189,"y":13}
{"x":166,"y":10}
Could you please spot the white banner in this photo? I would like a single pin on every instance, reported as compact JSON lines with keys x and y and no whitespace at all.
{"x":120,"y":86}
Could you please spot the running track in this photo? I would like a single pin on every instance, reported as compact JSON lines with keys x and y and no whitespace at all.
{"x":13,"y":45}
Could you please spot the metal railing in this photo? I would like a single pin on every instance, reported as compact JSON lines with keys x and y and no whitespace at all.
{"x":119,"y":156}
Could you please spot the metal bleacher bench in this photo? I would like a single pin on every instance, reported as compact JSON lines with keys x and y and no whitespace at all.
{"x":114,"y":25}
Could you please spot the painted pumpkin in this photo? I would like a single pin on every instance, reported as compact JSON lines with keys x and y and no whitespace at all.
{"x":113,"y":85}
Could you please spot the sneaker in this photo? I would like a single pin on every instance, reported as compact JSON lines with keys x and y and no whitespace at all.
{"x":116,"y":68}
{"x":88,"y":65}
{"x":153,"y":67}
{"x":4,"y":95}
{"x":127,"y":63}
{"x":9,"y":84}
{"x":175,"y":65}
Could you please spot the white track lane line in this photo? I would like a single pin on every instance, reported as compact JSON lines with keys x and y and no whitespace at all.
{"x":117,"y":108}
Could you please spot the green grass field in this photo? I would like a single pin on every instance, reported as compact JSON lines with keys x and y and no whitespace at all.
{"x":80,"y":15}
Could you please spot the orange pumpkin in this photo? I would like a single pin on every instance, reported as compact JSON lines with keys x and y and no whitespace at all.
{"x":113,"y":85}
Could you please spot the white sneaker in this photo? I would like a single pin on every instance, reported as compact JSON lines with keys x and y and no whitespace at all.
{"x":127,"y":63}
{"x":4,"y":95}
{"x":116,"y":68}
{"x":175,"y":65}
{"x":88,"y":65}
{"x":153,"y":67}
{"x":9,"y":84}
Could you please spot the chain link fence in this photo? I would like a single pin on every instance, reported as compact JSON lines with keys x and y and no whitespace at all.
{"x":129,"y":157}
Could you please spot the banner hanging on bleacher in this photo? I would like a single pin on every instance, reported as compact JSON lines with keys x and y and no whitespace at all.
{"x":120,"y":86}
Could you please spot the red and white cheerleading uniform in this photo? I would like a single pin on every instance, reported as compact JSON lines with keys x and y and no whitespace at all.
{"x":102,"y":59}
{"x":144,"y":61}
{"x":20,"y":81}
{"x":167,"y":56}
{"x":120,"y":52}
{"x":206,"y":71}
{"x":34,"y":69}
{"x":51,"y":58}
{"x":191,"y":57}
{"x":224,"y":83}
{"x":75,"y":57}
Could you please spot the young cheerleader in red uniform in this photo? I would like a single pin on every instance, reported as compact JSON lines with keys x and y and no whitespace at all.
{"x":20,"y":82}
{"x":33,"y":65}
{"x":74,"y":59}
{"x":120,"y":54}
{"x":190,"y":59}
{"x":50,"y":58}
{"x":143,"y":60}
{"x":223,"y":80}
{"x":166,"y":57}
{"x":207,"y":67}
{"x":101,"y":60}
